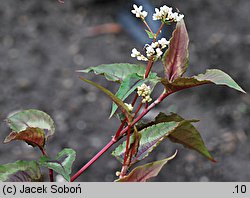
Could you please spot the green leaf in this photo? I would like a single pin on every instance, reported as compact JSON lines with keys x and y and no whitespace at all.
{"x":130,"y":84}
{"x":116,"y":72}
{"x":31,"y":118}
{"x":62,"y":164}
{"x":214,"y":76}
{"x":185,"y":134}
{"x":20,"y":171}
{"x":145,"y":172}
{"x":117,"y":101}
{"x":175,"y":59}
{"x":150,"y":35}
{"x":32,"y":136}
{"x":150,"y":139}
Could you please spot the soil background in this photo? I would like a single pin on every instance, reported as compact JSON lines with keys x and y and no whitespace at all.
{"x":42,"y":43}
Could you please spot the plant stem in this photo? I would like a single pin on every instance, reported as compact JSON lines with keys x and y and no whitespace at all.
{"x":113,"y":140}
{"x":145,"y":22}
{"x":159,"y":31}
{"x":126,"y":155}
{"x":138,"y":109}
{"x":120,"y":132}
{"x":93,"y":160}
{"x":51,"y":177}
{"x":149,"y":66}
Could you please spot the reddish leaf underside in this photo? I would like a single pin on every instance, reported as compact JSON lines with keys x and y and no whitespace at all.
{"x":20,"y":171}
{"x":33,"y":136}
{"x":175,"y":59}
{"x":145,"y":172}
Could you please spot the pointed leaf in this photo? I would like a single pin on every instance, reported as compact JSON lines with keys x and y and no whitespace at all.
{"x":117,"y":101}
{"x":116,"y":72}
{"x":130,"y":84}
{"x":175,"y":60}
{"x":31,"y":118}
{"x":32,"y":136}
{"x":185,"y":134}
{"x":150,"y":35}
{"x":214,"y":76}
{"x":62,"y":164}
{"x":145,"y":172}
{"x":150,"y":139}
{"x":20,"y":171}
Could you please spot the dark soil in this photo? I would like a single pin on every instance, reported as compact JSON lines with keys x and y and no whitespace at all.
{"x":42,"y":43}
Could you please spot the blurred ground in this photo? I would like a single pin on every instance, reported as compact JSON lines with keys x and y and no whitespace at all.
{"x":42,"y":43}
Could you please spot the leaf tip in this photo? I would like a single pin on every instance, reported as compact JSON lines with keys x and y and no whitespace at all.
{"x":174,"y":155}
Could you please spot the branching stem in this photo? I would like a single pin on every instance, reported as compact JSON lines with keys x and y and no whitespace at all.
{"x":113,"y":140}
{"x":122,"y":131}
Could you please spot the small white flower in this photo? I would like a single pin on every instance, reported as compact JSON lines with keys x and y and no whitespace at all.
{"x":150,"y":51}
{"x":173,"y":15}
{"x":166,"y":13}
{"x":165,"y":9}
{"x":138,"y":12}
{"x":163,"y":42}
{"x":129,"y":106}
{"x":144,"y":14}
{"x":155,"y":44}
{"x":144,"y":91}
{"x":135,"y":53}
{"x":158,"y":52}
{"x":157,"y":15}
{"x":141,"y":58}
{"x":179,"y":17}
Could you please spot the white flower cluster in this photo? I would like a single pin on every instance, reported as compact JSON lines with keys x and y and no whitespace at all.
{"x":166,"y":13}
{"x":129,"y":106}
{"x":155,"y":49}
{"x":136,"y":54}
{"x":138,"y":12}
{"x":144,"y":91}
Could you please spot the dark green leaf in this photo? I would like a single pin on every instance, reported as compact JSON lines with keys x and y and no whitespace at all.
{"x":214,"y":76}
{"x":31,"y":118}
{"x":20,"y":171}
{"x":145,"y":172}
{"x":150,"y":139}
{"x":150,"y":35}
{"x":130,"y":84}
{"x":175,"y":60}
{"x":62,"y":164}
{"x":116,"y":72}
{"x":117,"y":101}
{"x":185,"y":134}
{"x":32,"y":136}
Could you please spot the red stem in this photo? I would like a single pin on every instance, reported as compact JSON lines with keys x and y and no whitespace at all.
{"x":51,"y":176}
{"x":113,"y":141}
{"x":120,"y":132}
{"x":158,"y":32}
{"x":150,"y":63}
{"x":127,"y":146}
{"x":138,"y":109}
{"x":92,"y":160}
